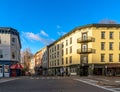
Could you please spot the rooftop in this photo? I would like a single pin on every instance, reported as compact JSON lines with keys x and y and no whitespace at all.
{"x":86,"y":26}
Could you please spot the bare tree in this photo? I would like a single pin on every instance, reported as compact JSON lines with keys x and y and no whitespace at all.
{"x":26,"y":56}
{"x":107,"y":21}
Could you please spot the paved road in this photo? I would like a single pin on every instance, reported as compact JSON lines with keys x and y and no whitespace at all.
{"x":48,"y":84}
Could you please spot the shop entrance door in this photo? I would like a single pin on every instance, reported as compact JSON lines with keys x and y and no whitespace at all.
{"x":1,"y":71}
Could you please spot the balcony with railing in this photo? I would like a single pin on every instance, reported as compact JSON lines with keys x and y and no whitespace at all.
{"x":85,"y":51}
{"x":87,"y":39}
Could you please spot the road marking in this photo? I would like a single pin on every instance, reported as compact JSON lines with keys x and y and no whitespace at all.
{"x":53,"y":77}
{"x":37,"y":78}
{"x":117,"y":81}
{"x":91,"y":80}
{"x":48,"y":77}
{"x":116,"y":88}
{"x":6,"y":80}
{"x":103,"y":79}
{"x":31,"y":78}
{"x":43,"y":77}
{"x":59,"y":78}
{"x":108,"y":86}
{"x":95,"y":85}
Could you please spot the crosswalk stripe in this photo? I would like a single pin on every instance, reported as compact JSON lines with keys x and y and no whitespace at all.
{"x":116,"y":88}
{"x":43,"y":77}
{"x":4,"y":80}
{"x":46,"y":78}
{"x":94,"y":84}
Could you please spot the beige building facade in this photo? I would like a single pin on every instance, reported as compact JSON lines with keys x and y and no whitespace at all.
{"x":38,"y":62}
{"x":32,"y":65}
{"x":41,"y":61}
{"x":45,"y":60}
{"x":87,"y":50}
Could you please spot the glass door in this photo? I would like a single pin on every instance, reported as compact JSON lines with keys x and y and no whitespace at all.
{"x":84,"y":36}
{"x":1,"y":71}
{"x":84,"y":48}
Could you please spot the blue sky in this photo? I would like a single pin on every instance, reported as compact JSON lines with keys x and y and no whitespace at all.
{"x":41,"y":22}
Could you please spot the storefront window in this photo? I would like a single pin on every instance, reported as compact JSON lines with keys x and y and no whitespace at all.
{"x":1,"y":69}
{"x":6,"y":68}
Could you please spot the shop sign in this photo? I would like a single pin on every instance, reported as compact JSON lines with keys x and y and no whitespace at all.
{"x":6,"y":71}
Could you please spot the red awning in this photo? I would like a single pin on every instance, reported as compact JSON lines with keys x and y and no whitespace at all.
{"x":16,"y":66}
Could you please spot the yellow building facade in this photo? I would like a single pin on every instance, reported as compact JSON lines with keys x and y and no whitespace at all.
{"x":87,"y":50}
{"x":41,"y":61}
{"x":38,"y":62}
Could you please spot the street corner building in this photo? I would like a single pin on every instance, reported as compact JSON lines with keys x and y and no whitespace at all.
{"x":10,"y":46}
{"x":92,"y":49}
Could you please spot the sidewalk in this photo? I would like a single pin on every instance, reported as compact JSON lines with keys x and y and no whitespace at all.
{"x":107,"y":81}
{"x":102,"y":80}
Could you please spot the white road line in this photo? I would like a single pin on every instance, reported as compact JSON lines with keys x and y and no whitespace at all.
{"x":37,"y":78}
{"x":117,"y":81}
{"x":91,"y":80}
{"x":43,"y":77}
{"x":95,"y":85}
{"x":59,"y":78}
{"x":48,"y":78}
{"x":31,"y":78}
{"x":103,"y":79}
{"x":6,"y":80}
{"x":108,"y":86}
{"x":53,"y":77}
{"x":116,"y":88}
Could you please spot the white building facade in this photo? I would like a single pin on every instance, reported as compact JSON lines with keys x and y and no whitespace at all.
{"x":10,"y":46}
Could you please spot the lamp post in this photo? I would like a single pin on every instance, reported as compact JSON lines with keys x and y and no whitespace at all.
{"x":92,"y":68}
{"x":106,"y":70}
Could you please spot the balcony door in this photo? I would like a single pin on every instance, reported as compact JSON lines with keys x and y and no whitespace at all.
{"x":84,"y":48}
{"x":84,"y":36}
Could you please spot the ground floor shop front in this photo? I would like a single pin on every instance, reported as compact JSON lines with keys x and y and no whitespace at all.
{"x":7,"y":71}
{"x":100,"y":69}
{"x":87,"y":69}
{"x":64,"y":70}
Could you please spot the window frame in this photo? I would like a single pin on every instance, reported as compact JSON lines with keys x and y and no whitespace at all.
{"x":110,"y":45}
{"x":103,"y":35}
{"x":110,"y":57}
{"x":111,"y":35}
{"x":102,"y":57}
{"x":102,"y":45}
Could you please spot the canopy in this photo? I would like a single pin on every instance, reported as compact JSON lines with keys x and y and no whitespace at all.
{"x":113,"y":65}
{"x":16,"y":66}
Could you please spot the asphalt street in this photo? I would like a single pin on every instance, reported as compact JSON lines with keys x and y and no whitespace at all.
{"x":48,"y":84}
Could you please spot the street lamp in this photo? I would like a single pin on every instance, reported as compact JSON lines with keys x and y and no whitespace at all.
{"x":106,"y":70}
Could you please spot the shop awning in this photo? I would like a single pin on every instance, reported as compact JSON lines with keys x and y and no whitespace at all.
{"x":16,"y":66}
{"x":113,"y":65}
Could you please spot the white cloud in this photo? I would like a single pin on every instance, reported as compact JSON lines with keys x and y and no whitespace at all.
{"x":61,"y":33}
{"x":48,"y":41}
{"x":43,"y":33}
{"x":58,"y":26}
{"x":32,"y":36}
{"x":36,"y":37}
